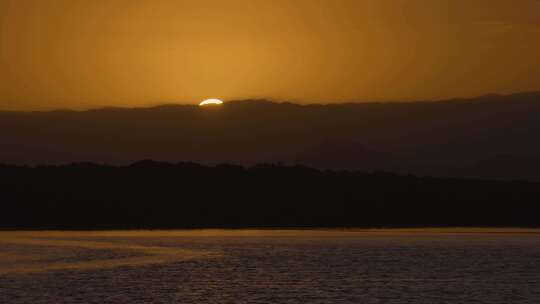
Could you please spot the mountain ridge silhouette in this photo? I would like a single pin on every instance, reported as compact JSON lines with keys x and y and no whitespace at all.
{"x":491,"y":136}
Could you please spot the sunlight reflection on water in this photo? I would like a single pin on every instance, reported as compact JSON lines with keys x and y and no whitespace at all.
{"x":265,"y":266}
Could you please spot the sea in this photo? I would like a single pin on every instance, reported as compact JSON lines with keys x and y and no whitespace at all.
{"x":425,"y":266}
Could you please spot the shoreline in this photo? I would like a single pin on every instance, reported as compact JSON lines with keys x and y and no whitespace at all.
{"x":261,"y":232}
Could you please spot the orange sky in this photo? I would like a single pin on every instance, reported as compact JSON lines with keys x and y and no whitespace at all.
{"x":82,"y":54}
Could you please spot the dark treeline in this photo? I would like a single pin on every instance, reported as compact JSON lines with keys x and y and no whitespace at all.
{"x":159,"y":195}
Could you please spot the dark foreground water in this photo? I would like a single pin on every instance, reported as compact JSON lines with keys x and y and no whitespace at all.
{"x":250,"y":266}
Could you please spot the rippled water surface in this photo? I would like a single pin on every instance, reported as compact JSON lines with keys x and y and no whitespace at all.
{"x":254,"y":266}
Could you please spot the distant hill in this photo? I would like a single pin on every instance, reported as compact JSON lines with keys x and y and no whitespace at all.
{"x":491,"y":136}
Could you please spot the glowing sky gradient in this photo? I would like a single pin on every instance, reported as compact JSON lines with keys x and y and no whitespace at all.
{"x":82,"y":54}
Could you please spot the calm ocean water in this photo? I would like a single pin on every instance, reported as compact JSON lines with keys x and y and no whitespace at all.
{"x":250,"y":266}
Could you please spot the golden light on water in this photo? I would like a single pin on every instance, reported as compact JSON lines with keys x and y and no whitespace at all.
{"x":210,"y":102}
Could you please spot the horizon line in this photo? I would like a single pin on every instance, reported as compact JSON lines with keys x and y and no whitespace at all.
{"x":271,"y":100}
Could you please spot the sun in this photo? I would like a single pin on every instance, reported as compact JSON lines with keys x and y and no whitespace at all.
{"x":211,"y":102}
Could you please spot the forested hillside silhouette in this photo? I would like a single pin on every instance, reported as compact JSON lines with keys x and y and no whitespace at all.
{"x":153,"y":195}
{"x":492,"y":136}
